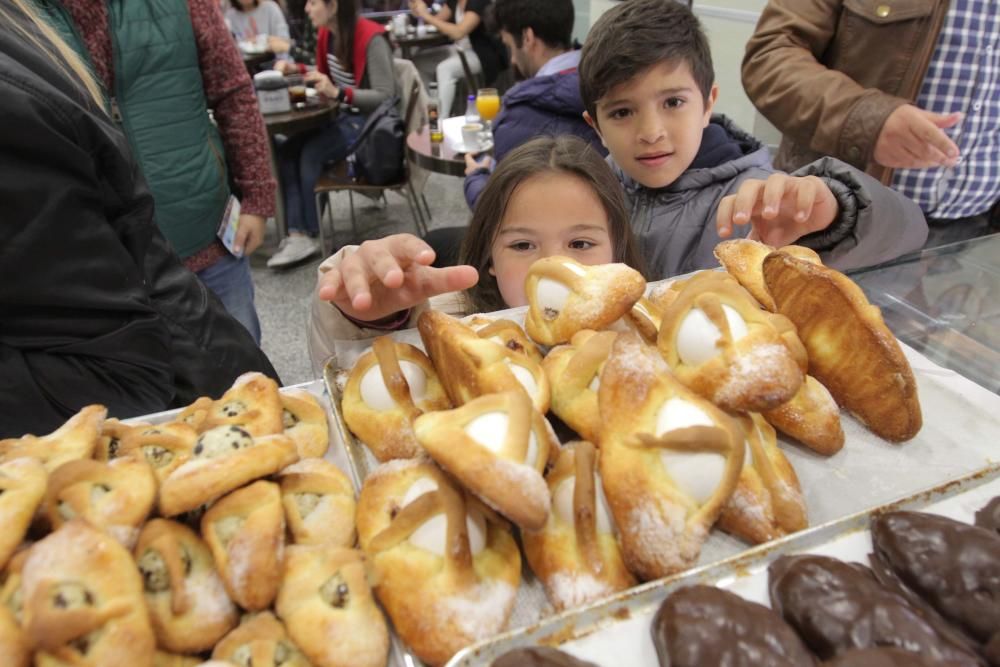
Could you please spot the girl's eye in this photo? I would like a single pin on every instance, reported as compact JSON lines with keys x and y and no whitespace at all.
{"x":581,"y":244}
{"x":674,"y":102}
{"x":520,"y":246}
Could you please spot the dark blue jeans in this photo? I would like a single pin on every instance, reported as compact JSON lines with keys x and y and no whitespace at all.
{"x":300,"y":164}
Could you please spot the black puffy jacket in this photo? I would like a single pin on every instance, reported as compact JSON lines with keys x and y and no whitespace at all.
{"x":94,"y":305}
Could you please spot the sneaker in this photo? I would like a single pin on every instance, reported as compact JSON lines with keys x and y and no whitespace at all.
{"x":293,"y":249}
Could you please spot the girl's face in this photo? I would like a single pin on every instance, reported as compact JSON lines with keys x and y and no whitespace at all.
{"x":321,"y":13}
{"x":552,"y":213}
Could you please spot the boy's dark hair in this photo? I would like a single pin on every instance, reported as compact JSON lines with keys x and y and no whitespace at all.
{"x":550,"y":20}
{"x":636,"y":35}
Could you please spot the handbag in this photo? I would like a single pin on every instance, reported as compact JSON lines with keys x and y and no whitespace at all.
{"x":378,"y":151}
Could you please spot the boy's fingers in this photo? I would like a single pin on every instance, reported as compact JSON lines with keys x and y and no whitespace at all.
{"x":746,"y":198}
{"x":774,"y":192}
{"x":805,"y":198}
{"x":724,"y":217}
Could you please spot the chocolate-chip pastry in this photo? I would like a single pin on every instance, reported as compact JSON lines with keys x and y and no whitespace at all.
{"x":187,"y":601}
{"x":115,"y":497}
{"x":951,"y":565}
{"x":305,"y":422}
{"x":705,"y":625}
{"x":246,"y":533}
{"x":670,"y":460}
{"x":539,"y":656}
{"x":497,"y":446}
{"x":224,"y":458}
{"x":744,"y":260}
{"x":83,"y":602}
{"x":574,"y":373}
{"x":576,"y":555}
{"x":259,"y":641}
{"x":165,"y":447}
{"x":388,"y":387}
{"x":319,"y":503}
{"x":11,"y":597}
{"x":837,"y":606}
{"x":503,"y":332}
{"x":22,"y":487}
{"x":76,"y":439}
{"x":252,"y":403}
{"x":989,"y":516}
{"x":14,"y":650}
{"x":879,"y":657}
{"x":446,"y":568}
{"x":112,"y":434}
{"x":811,"y":416}
{"x":329,"y":610}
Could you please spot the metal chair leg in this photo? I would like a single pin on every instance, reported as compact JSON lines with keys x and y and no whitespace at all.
{"x":354,"y":224}
{"x":426,"y":205}
{"x":418,"y":216}
{"x":319,"y":219}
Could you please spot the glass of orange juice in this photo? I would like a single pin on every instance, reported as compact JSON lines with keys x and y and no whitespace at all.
{"x":488,"y":105}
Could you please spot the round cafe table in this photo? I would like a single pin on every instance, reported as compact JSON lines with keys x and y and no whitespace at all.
{"x":434,"y":156}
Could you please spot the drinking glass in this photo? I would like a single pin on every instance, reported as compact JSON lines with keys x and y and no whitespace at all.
{"x":488,"y":105}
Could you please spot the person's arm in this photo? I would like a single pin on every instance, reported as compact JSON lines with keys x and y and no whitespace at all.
{"x":380,"y":74}
{"x":442,"y":21}
{"x":278,"y":37}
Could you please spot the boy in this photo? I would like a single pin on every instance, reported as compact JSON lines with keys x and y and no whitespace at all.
{"x":647,"y":83}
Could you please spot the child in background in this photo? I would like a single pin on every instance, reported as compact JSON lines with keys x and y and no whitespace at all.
{"x":692,"y":178}
{"x":550,"y":196}
{"x":251,"y":20}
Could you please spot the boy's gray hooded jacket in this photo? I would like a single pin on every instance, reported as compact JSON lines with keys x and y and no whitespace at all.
{"x":675,"y":225}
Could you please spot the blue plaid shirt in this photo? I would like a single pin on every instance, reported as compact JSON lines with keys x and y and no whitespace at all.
{"x":964,"y":75}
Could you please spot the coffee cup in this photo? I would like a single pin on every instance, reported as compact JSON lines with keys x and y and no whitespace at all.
{"x":297,"y":93}
{"x":472,"y":136}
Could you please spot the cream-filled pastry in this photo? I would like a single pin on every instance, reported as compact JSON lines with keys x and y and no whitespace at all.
{"x":83,"y":602}
{"x":812,"y":417}
{"x":446,"y":568}
{"x":245,"y":532}
{"x":390,"y":386}
{"x":112,"y":433}
{"x":14,"y":649}
{"x":76,"y":439}
{"x":304,"y":420}
{"x":576,"y":553}
{"x":260,"y":641}
{"x":470,"y":366}
{"x":565,"y":296}
{"x":319,"y":503}
{"x":744,"y":260}
{"x":506,"y":333}
{"x":252,"y":403}
{"x":22,"y":487}
{"x":574,"y":373}
{"x":187,"y":601}
{"x":115,"y":497}
{"x":497,"y":446}
{"x":767,"y":502}
{"x":164,"y":659}
{"x":165,"y":447}
{"x":11,"y":597}
{"x":669,"y":460}
{"x":328,"y":608}
{"x":722,"y":345}
{"x":644,"y":318}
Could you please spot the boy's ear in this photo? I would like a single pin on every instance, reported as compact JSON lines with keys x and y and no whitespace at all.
{"x":713,"y":97}
{"x":593,"y":125}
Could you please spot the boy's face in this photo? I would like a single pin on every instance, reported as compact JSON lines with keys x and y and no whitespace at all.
{"x":652,"y":123}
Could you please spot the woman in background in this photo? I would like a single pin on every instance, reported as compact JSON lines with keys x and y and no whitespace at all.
{"x":253,"y":21}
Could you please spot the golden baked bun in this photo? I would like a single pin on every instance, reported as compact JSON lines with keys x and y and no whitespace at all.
{"x":744,"y":260}
{"x":10,"y":584}
{"x":165,"y":447}
{"x":329,"y":610}
{"x":497,"y":446}
{"x":187,"y":601}
{"x":446,"y":569}
{"x":669,"y":461}
{"x":576,"y":555}
{"x":319,"y":503}
{"x":76,"y":439}
{"x":812,"y":417}
{"x":390,"y":386}
{"x":252,"y":403}
{"x":22,"y":487}
{"x":574,"y":373}
{"x":851,"y":350}
{"x":507,"y":333}
{"x":115,"y":497}
{"x":245,"y":532}
{"x":722,"y":345}
{"x":164,"y":659}
{"x":767,"y":502}
{"x":83,"y":602}
{"x":14,"y":650}
{"x":470,"y":366}
{"x":112,"y":433}
{"x":261,"y":641}
{"x":565,"y":296}
{"x":224,"y":458}
{"x":304,"y":421}
{"x":644,"y":318}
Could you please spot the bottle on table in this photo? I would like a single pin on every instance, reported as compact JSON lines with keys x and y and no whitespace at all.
{"x":434,"y":116}
{"x":471,"y":112}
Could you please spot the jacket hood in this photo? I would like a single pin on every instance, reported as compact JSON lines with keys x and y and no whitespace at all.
{"x":557,"y":94}
{"x":728,"y":149}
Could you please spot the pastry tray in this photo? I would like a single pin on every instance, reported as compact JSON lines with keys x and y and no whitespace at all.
{"x":961,"y":427}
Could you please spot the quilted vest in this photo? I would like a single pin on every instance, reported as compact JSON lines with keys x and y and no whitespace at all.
{"x":159,"y":102}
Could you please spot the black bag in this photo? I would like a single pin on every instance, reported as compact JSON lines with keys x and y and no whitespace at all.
{"x":379,"y":150}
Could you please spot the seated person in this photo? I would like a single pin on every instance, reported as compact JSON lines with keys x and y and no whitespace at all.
{"x":647,"y":82}
{"x":260,"y":20}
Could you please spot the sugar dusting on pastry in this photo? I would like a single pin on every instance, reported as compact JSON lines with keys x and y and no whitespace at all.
{"x":478,"y":612}
{"x":753,"y":370}
{"x":525,"y":478}
{"x":572,"y":589}
{"x":658,"y":534}
{"x":395,"y":466}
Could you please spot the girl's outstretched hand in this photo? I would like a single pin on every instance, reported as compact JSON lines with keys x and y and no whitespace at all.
{"x":389,"y":275}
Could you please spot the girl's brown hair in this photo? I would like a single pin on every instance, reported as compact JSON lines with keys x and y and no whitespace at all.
{"x":236,"y":4}
{"x":346,"y":18}
{"x":565,"y":154}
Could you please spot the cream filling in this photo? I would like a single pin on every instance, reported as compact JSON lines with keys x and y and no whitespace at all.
{"x":697,"y":336}
{"x":375,"y":394}
{"x":490,"y":431}
{"x":696,"y":473}
{"x":432,"y":535}
{"x":551,"y":295}
{"x":524,"y":376}
{"x":562,"y":504}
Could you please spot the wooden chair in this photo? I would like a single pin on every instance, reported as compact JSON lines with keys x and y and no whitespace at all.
{"x":336,"y":179}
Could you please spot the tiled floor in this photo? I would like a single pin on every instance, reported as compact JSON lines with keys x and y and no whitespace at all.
{"x":283,"y":296}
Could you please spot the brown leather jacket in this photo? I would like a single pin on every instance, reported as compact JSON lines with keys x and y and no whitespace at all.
{"x":827,"y":73}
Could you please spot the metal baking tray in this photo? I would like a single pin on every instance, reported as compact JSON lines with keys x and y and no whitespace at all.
{"x":615,"y":631}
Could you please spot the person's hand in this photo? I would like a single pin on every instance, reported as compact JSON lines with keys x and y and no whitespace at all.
{"x":471,"y":163}
{"x":323,"y":84}
{"x":419,"y":9}
{"x":278,"y":44}
{"x":912,"y":138}
{"x":781,"y":209}
{"x":286,"y":67}
{"x":388,"y":275}
{"x":249,"y":234}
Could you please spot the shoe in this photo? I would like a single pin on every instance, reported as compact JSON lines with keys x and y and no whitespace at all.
{"x":293,"y":249}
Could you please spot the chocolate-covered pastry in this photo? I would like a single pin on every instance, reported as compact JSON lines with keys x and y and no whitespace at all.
{"x":539,"y":656}
{"x":951,"y":565}
{"x":878,"y":657}
{"x":989,"y":516}
{"x":704,"y":625}
{"x":838,"y":606}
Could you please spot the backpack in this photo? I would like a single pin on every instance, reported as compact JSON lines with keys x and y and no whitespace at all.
{"x":378,"y":152}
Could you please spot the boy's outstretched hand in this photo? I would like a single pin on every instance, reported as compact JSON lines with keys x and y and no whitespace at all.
{"x":781,"y":209}
{"x":389,"y":275}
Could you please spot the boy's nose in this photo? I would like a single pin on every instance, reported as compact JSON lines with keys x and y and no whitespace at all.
{"x":650,"y":128}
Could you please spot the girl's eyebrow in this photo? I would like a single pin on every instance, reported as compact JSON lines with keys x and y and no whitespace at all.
{"x":582,"y":227}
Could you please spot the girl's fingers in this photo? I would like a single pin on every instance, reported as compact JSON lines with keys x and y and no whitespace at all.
{"x":414,"y":249}
{"x":382,"y":263}
{"x":357,"y":280}
{"x":330,"y":285}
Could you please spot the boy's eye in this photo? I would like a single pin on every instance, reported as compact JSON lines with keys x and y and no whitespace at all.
{"x":618,"y":114}
{"x":674,"y":102}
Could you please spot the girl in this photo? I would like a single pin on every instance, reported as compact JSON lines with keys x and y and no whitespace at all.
{"x":354,"y":66}
{"x":550,"y":196}
{"x":249,"y":19}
